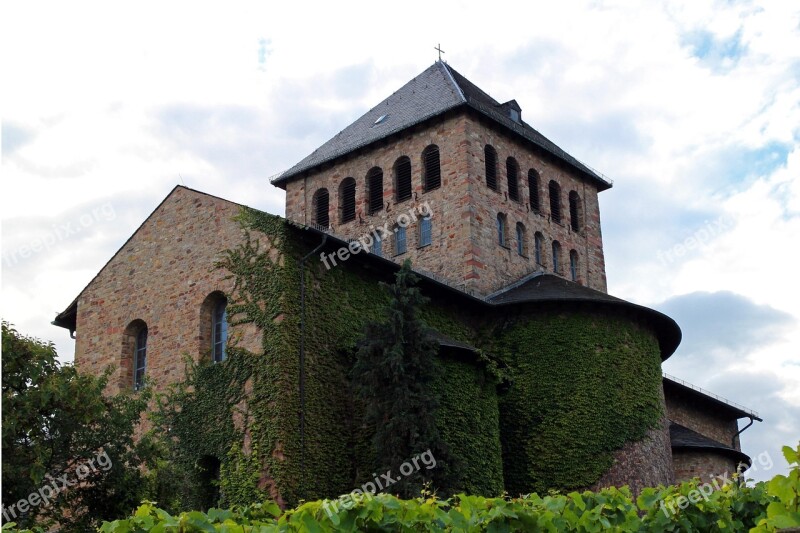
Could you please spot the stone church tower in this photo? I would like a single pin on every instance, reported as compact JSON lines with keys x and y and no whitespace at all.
{"x":505,"y":201}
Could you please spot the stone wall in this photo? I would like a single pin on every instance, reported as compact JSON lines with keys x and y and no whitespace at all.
{"x":704,"y":417}
{"x":465,"y":248}
{"x":706,"y":465}
{"x":160,"y":277}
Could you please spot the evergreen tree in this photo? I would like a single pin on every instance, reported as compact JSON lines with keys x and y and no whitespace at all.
{"x":393,"y":377}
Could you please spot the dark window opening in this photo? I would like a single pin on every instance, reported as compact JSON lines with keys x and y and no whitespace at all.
{"x":538,"y":244}
{"x":521,"y":239}
{"x":491,"y":167}
{"x":512,"y":173}
{"x":575,"y":211}
{"x":402,"y":177}
{"x":208,"y":468}
{"x":375,"y":188}
{"x":555,"y":201}
{"x":320,"y":207}
{"x":433,"y":172}
{"x":347,"y":200}
{"x":533,"y":189}
{"x":556,"y":256}
{"x":502,"y":239}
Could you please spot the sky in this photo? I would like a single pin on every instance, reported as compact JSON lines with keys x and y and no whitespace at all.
{"x":691,"y":107}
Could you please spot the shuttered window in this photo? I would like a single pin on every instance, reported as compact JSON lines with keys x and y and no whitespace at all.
{"x":491,"y":167}
{"x":512,"y":174}
{"x":574,"y":211}
{"x":433,"y":172}
{"x":320,"y":206}
{"x":533,"y":189}
{"x":402,"y":179}
{"x":375,"y":188}
{"x":555,"y":201}
{"x":347,"y":200}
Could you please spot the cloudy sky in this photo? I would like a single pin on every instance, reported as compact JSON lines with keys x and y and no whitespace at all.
{"x":691,"y":107}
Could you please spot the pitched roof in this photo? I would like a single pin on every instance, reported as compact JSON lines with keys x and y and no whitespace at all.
{"x":683,"y":438}
{"x":725,"y":407}
{"x":438,"y":89}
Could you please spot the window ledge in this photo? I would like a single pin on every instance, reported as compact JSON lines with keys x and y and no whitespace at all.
{"x":421,"y":246}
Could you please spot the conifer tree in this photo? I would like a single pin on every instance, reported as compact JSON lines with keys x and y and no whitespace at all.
{"x":393,"y":377}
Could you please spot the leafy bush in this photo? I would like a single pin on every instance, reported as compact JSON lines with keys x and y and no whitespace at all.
{"x":690,"y":506}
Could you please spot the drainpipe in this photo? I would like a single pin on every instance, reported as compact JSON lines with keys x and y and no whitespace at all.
{"x":302,"y":359}
{"x":733,"y":443}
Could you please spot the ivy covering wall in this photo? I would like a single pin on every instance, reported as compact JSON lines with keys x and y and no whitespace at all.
{"x":583,"y":386}
{"x":261,"y":389}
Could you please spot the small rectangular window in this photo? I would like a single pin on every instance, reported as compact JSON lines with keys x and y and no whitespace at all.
{"x":425,"y":232}
{"x":377,"y":245}
{"x":400,"y":240}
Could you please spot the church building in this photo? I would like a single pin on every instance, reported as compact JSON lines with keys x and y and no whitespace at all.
{"x":503,"y":228}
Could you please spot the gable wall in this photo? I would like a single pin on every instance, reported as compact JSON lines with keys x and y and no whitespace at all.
{"x":702,"y":417}
{"x":161,"y":275}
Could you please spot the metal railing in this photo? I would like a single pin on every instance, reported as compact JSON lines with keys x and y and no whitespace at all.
{"x":711,"y":394}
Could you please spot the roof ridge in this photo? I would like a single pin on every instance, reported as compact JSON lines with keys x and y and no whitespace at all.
{"x":446,"y":68}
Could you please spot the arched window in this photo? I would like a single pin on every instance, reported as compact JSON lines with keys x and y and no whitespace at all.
{"x":490,"y":156}
{"x":134,"y":355}
{"x":319,"y":205}
{"x":556,"y":256}
{"x":425,"y":231}
{"x":575,"y":211}
{"x":533,"y":190}
{"x":377,"y":244}
{"x":538,"y":245}
{"x":502,"y":230}
{"x":432,"y":177}
{"x":521,"y":248}
{"x":375,"y":189}
{"x":400,"y":244}
{"x":555,"y":201}
{"x":347,"y":200}
{"x":402,"y":179}
{"x":573,"y":265}
{"x":214,"y":327}
{"x":512,"y":173}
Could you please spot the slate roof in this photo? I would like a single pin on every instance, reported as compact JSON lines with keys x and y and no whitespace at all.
{"x":683,"y":438}
{"x":438,"y":89}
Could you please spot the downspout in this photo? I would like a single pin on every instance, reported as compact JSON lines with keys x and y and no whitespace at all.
{"x":733,"y":445}
{"x":302,"y":359}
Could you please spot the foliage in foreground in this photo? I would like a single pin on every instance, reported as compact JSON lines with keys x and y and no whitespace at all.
{"x":767,"y":506}
{"x":61,"y":430}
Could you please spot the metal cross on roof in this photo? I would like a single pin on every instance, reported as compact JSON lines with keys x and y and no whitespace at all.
{"x":439,"y":48}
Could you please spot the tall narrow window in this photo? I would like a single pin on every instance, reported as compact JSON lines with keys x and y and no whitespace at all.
{"x":320,"y":207}
{"x":140,"y":359}
{"x":521,"y":239}
{"x":555,"y":201}
{"x":375,"y":188}
{"x":556,"y":256}
{"x":533,"y":190}
{"x":433,"y":172}
{"x":219,"y":331}
{"x":402,"y":179}
{"x":425,"y":231}
{"x":575,"y":211}
{"x":490,"y":156}
{"x":377,"y":244}
{"x":347,"y":200}
{"x":538,"y":247}
{"x":512,"y":174}
{"x":400,"y":245}
{"x":573,"y":265}
{"x":502,"y":238}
